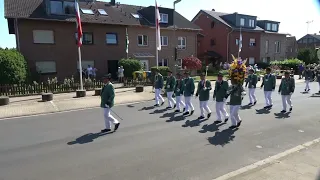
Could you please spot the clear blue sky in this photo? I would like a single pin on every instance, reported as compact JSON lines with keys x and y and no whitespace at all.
{"x":293,"y":15}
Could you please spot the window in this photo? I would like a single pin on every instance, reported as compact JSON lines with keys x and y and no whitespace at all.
{"x":277,"y":44}
{"x":62,"y":7}
{"x":163,"y":62}
{"x":163,"y":18}
{"x":142,"y":40}
{"x":274,"y":27}
{"x":44,"y":67}
{"x":164,"y":40}
{"x":43,"y":37}
{"x":237,"y":42}
{"x":252,"y":42}
{"x":85,"y":64}
{"x":267,"y":47}
{"x":111,"y":38}
{"x":291,"y":50}
{"x":212,"y":42}
{"x":182,"y":44}
{"x":137,"y":16}
{"x":87,"y":38}
{"x":264,"y":60}
{"x":251,"y":22}
{"x":241,"y":21}
{"x":251,"y":60}
{"x":212,"y":24}
{"x":87,"y":11}
{"x":268,"y":26}
{"x":102,"y":12}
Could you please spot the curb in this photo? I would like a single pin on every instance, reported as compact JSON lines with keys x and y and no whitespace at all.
{"x":268,"y":161}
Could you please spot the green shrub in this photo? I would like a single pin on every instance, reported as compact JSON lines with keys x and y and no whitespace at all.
{"x":163,"y":70}
{"x":130,"y":66}
{"x":13,"y":67}
{"x":287,"y":64}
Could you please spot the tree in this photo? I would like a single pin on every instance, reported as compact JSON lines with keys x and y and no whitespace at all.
{"x":191,"y":63}
{"x":13,"y":67}
{"x":130,"y":66}
{"x":308,"y":55}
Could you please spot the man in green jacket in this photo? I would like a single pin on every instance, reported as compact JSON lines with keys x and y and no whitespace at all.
{"x":219,"y":94}
{"x":170,"y":86}
{"x":269,"y":84}
{"x":179,"y":92}
{"x":308,"y":76}
{"x":286,"y":89}
{"x":158,"y":85}
{"x":188,"y":93}
{"x":107,"y":102}
{"x":252,"y":81}
{"x":203,"y":91}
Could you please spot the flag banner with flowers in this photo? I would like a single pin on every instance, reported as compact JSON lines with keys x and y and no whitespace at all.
{"x":237,"y":70}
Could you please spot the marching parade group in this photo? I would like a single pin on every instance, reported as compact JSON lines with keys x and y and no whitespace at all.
{"x":184,"y":86}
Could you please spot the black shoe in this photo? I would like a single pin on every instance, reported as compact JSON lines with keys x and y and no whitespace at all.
{"x":174,"y":106}
{"x":239,"y":124}
{"x":232,"y":127}
{"x":177,"y":111}
{"x":319,"y":92}
{"x":305,"y":90}
{"x":105,"y":130}
{"x":250,"y":104}
{"x":308,"y":90}
{"x":283,"y":111}
{"x":191,"y":112}
{"x":290,"y":109}
{"x":168,"y":107}
{"x":217,"y":122}
{"x":201,"y":117}
{"x":156,"y":105}
{"x":266,"y":107}
{"x":184,"y":109}
{"x":255,"y":103}
{"x":209,"y":115}
{"x":116,"y":127}
{"x":226,"y":120}
{"x":162,"y":103}
{"x":186,"y":113}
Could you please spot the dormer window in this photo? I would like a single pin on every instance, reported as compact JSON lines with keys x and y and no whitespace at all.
{"x":268,"y":26}
{"x":62,"y":7}
{"x":163,"y":18}
{"x":274,"y":27}
{"x":251,"y":23}
{"x":241,"y":21}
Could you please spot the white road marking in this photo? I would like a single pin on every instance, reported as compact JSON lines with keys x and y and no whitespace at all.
{"x":301,"y":131}
{"x":259,"y":147}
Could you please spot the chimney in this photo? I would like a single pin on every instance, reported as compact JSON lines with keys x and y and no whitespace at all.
{"x":213,"y":10}
{"x":315,"y":34}
{"x":113,"y":2}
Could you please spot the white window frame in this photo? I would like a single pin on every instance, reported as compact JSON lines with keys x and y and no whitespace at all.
{"x":162,"y":62}
{"x":85,"y":64}
{"x":274,"y":27}
{"x":267,"y":46}
{"x":164,"y":18}
{"x":143,"y":37}
{"x":251,"y":23}
{"x":252,"y":42}
{"x":180,"y":44}
{"x":277,"y":47}
{"x":40,"y":36}
{"x":250,"y":59}
{"x":268,"y":26}
{"x":242,"y":22}
{"x":44,"y":67}
{"x":164,"y":43}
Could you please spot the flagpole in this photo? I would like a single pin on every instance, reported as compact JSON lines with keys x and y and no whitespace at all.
{"x":239,"y":43}
{"x":80,"y":68}
{"x":127,"y":43}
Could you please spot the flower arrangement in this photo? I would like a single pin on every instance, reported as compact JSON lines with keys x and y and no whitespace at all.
{"x":237,"y":70}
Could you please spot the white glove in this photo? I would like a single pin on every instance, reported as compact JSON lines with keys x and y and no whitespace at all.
{"x":106,"y":106}
{"x":178,"y":90}
{"x":204,"y":88}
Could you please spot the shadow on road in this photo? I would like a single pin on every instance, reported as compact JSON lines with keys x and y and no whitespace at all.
{"x":210,"y":127}
{"x":315,"y":95}
{"x":158,"y":111}
{"x":282,"y":115}
{"x":262,"y":111}
{"x":87,"y":138}
{"x":176,"y":118}
{"x":222,"y":138}
{"x":246,"y":107}
{"x":170,"y":114}
{"x":147,"y":108}
{"x":193,"y":123}
{"x":304,"y":92}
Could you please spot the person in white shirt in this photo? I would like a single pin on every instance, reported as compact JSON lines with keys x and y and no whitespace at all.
{"x":89,"y":71}
{"x":120,"y":73}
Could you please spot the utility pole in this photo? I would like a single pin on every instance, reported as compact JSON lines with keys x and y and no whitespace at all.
{"x":308,"y":23}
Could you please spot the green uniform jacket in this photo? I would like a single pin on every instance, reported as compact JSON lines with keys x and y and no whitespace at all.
{"x":236,"y":95}
{"x":318,"y":76}
{"x":220,"y":90}
{"x":204,"y":94}
{"x":269,"y":82}
{"x":170,"y":84}
{"x":107,"y":96}
{"x":178,"y":90}
{"x":252,"y":80}
{"x":287,"y":86}
{"x":307,"y":74}
{"x":158,"y":81}
{"x":189,"y":87}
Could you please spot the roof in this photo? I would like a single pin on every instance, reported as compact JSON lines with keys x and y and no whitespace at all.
{"x":312,"y":35}
{"x":117,"y":15}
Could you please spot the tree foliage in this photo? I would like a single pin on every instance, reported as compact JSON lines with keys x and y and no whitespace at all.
{"x":308,"y":55}
{"x":13,"y":67}
{"x":163,"y":70}
{"x":130,"y":66}
{"x":191,"y":63}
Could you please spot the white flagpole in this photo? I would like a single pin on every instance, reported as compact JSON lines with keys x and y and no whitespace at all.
{"x":127,"y":44}
{"x":239,"y":43}
{"x":80,"y":68}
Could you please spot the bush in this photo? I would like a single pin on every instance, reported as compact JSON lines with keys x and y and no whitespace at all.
{"x":163,"y":70}
{"x":130,"y":66}
{"x":308,"y":55}
{"x":13,"y":67}
{"x":287,"y":64}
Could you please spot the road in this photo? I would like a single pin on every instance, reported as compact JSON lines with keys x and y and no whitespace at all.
{"x":151,"y":144}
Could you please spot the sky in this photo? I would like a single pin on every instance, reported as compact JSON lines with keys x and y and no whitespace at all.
{"x":292,"y":14}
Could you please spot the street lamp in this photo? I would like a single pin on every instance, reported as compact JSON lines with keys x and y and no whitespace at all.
{"x":174,"y":34}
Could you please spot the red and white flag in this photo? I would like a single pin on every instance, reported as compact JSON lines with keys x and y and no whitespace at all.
{"x":79,"y":27}
{"x":158,"y":40}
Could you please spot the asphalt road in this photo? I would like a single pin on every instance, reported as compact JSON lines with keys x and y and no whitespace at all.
{"x":151,"y":143}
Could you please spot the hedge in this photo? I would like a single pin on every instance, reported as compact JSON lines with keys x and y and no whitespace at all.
{"x":130,"y":66}
{"x":287,"y":64}
{"x":163,"y":70}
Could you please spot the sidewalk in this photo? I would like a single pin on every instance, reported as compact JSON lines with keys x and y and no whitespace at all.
{"x":300,"y":165}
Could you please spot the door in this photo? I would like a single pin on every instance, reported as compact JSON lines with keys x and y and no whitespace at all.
{"x":145,"y":65}
{"x":113,"y":68}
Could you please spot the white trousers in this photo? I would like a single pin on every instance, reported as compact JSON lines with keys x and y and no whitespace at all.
{"x":171,"y":101}
{"x":307,"y":85}
{"x":189,"y":105}
{"x":319,"y":85}
{"x":252,"y":95}
{"x":234,"y":114}
{"x":204,"y":106}
{"x":221,"y":110}
{"x":267,"y":96}
{"x":108,"y":118}
{"x":179,"y":102}
{"x":158,"y":96}
{"x":286,"y":99}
